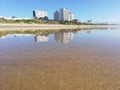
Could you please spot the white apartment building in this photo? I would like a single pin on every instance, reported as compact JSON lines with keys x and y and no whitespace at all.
{"x":63,"y":15}
{"x":40,"y":14}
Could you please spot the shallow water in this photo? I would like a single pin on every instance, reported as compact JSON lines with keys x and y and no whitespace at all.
{"x":63,"y":60}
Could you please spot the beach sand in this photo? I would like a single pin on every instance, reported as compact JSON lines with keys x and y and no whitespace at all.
{"x":39,"y":66}
{"x":8,"y":27}
{"x":59,"y":70}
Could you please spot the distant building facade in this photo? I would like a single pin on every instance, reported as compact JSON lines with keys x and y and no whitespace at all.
{"x":40,"y":14}
{"x":63,"y":15}
{"x":89,"y":21}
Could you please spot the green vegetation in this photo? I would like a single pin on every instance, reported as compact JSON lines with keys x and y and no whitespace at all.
{"x":35,"y":21}
{"x":30,"y":21}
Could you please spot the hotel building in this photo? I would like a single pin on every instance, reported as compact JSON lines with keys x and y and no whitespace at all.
{"x":63,"y":15}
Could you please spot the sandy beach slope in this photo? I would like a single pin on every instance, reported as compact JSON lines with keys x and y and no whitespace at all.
{"x":49,"y":26}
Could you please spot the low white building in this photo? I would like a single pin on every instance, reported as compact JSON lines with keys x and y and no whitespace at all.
{"x":40,"y":14}
{"x":15,"y":18}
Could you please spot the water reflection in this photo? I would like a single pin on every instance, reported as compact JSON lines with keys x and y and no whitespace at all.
{"x":60,"y":36}
{"x":15,"y":35}
{"x":41,"y":38}
{"x":89,"y":31}
{"x":85,"y":60}
{"x":63,"y":37}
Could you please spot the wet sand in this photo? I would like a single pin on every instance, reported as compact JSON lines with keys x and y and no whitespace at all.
{"x":12,"y":27}
{"x":83,"y":65}
{"x":61,"y":70}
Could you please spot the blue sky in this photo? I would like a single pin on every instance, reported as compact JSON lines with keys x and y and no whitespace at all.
{"x":97,"y":10}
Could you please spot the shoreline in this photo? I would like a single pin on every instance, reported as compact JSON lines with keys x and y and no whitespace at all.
{"x":11,"y":27}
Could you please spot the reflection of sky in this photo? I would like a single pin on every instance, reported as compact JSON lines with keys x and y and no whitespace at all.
{"x":98,"y":39}
{"x":110,"y":33}
{"x":103,"y":34}
{"x":99,"y":33}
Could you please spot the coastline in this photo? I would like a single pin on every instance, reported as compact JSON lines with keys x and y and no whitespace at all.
{"x":11,"y":27}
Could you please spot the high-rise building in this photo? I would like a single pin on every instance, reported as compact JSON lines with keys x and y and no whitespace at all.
{"x":56,"y":15}
{"x":63,"y":15}
{"x":39,"y":14}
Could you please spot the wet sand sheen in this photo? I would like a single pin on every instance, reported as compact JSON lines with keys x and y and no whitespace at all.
{"x":64,"y":72}
{"x":66,"y":67}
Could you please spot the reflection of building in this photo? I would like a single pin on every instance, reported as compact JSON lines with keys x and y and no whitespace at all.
{"x":63,"y":37}
{"x":39,"y":14}
{"x":89,"y":31}
{"x":2,"y":37}
{"x":63,"y":15}
{"x":15,"y":35}
{"x":41,"y":38}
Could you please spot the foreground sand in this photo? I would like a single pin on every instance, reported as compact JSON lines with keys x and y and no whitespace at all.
{"x":63,"y":69}
{"x":84,"y":64}
{"x":7,"y":27}
{"x":60,"y":73}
